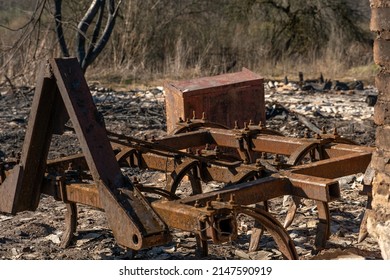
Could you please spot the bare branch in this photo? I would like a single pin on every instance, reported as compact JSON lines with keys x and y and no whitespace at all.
{"x":59,"y":30}
{"x":96,"y":31}
{"x":113,"y":12}
{"x":83,"y":27}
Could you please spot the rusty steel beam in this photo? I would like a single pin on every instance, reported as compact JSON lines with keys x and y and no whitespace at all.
{"x":21,"y":189}
{"x":215,"y":222}
{"x":246,"y":193}
{"x":335,"y":167}
{"x":320,"y":189}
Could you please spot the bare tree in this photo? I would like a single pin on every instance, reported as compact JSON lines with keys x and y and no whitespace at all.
{"x":297,"y":26}
{"x":88,"y":49}
{"x":82,"y":35}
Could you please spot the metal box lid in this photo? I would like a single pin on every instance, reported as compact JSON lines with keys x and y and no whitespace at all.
{"x":197,"y":86}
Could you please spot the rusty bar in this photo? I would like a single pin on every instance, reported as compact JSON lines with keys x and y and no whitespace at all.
{"x":336,"y":167}
{"x":78,"y":162}
{"x":316,"y":188}
{"x":338,"y":150}
{"x":229,"y":175}
{"x":177,"y":142}
{"x":220,"y":219}
{"x":186,"y":140}
{"x":246,"y":193}
{"x":22,"y":190}
{"x":273,"y":144}
{"x":120,"y":141}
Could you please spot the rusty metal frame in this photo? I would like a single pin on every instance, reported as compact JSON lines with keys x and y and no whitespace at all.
{"x":255,"y":163}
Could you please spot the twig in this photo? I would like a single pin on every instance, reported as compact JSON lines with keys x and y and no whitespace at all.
{"x":13,"y":88}
{"x":306,"y":122}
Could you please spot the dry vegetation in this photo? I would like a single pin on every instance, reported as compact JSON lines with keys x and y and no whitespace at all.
{"x":178,"y":39}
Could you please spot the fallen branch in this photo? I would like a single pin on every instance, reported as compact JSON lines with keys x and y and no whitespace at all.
{"x":307,"y":123}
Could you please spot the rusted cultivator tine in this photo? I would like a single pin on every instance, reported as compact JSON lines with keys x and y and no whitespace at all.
{"x":258,"y":229}
{"x":277,"y":231}
{"x":187,"y":167}
{"x":70,"y":224}
{"x":292,"y":210}
{"x":363,"y":232}
{"x":323,"y":226}
{"x":21,"y":189}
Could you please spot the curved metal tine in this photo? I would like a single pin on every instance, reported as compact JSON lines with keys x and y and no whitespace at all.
{"x":178,"y":174}
{"x":292,"y":210}
{"x":363,"y":232}
{"x":70,"y":224}
{"x":126,"y":157}
{"x":323,"y":226}
{"x":277,"y":231}
{"x":195,"y":180}
{"x":297,"y":158}
{"x":258,"y":229}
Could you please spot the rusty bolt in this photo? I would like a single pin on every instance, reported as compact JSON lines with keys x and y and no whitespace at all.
{"x":193,"y":115}
{"x":203,"y":116}
{"x":236,"y":125}
{"x":251,"y":122}
{"x":219,"y":198}
{"x":261,"y":126}
{"x":232,"y":199}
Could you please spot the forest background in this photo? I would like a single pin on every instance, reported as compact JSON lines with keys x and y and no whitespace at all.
{"x":155,"y":40}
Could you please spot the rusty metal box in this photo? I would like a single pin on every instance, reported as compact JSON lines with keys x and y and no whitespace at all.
{"x":224,"y":99}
